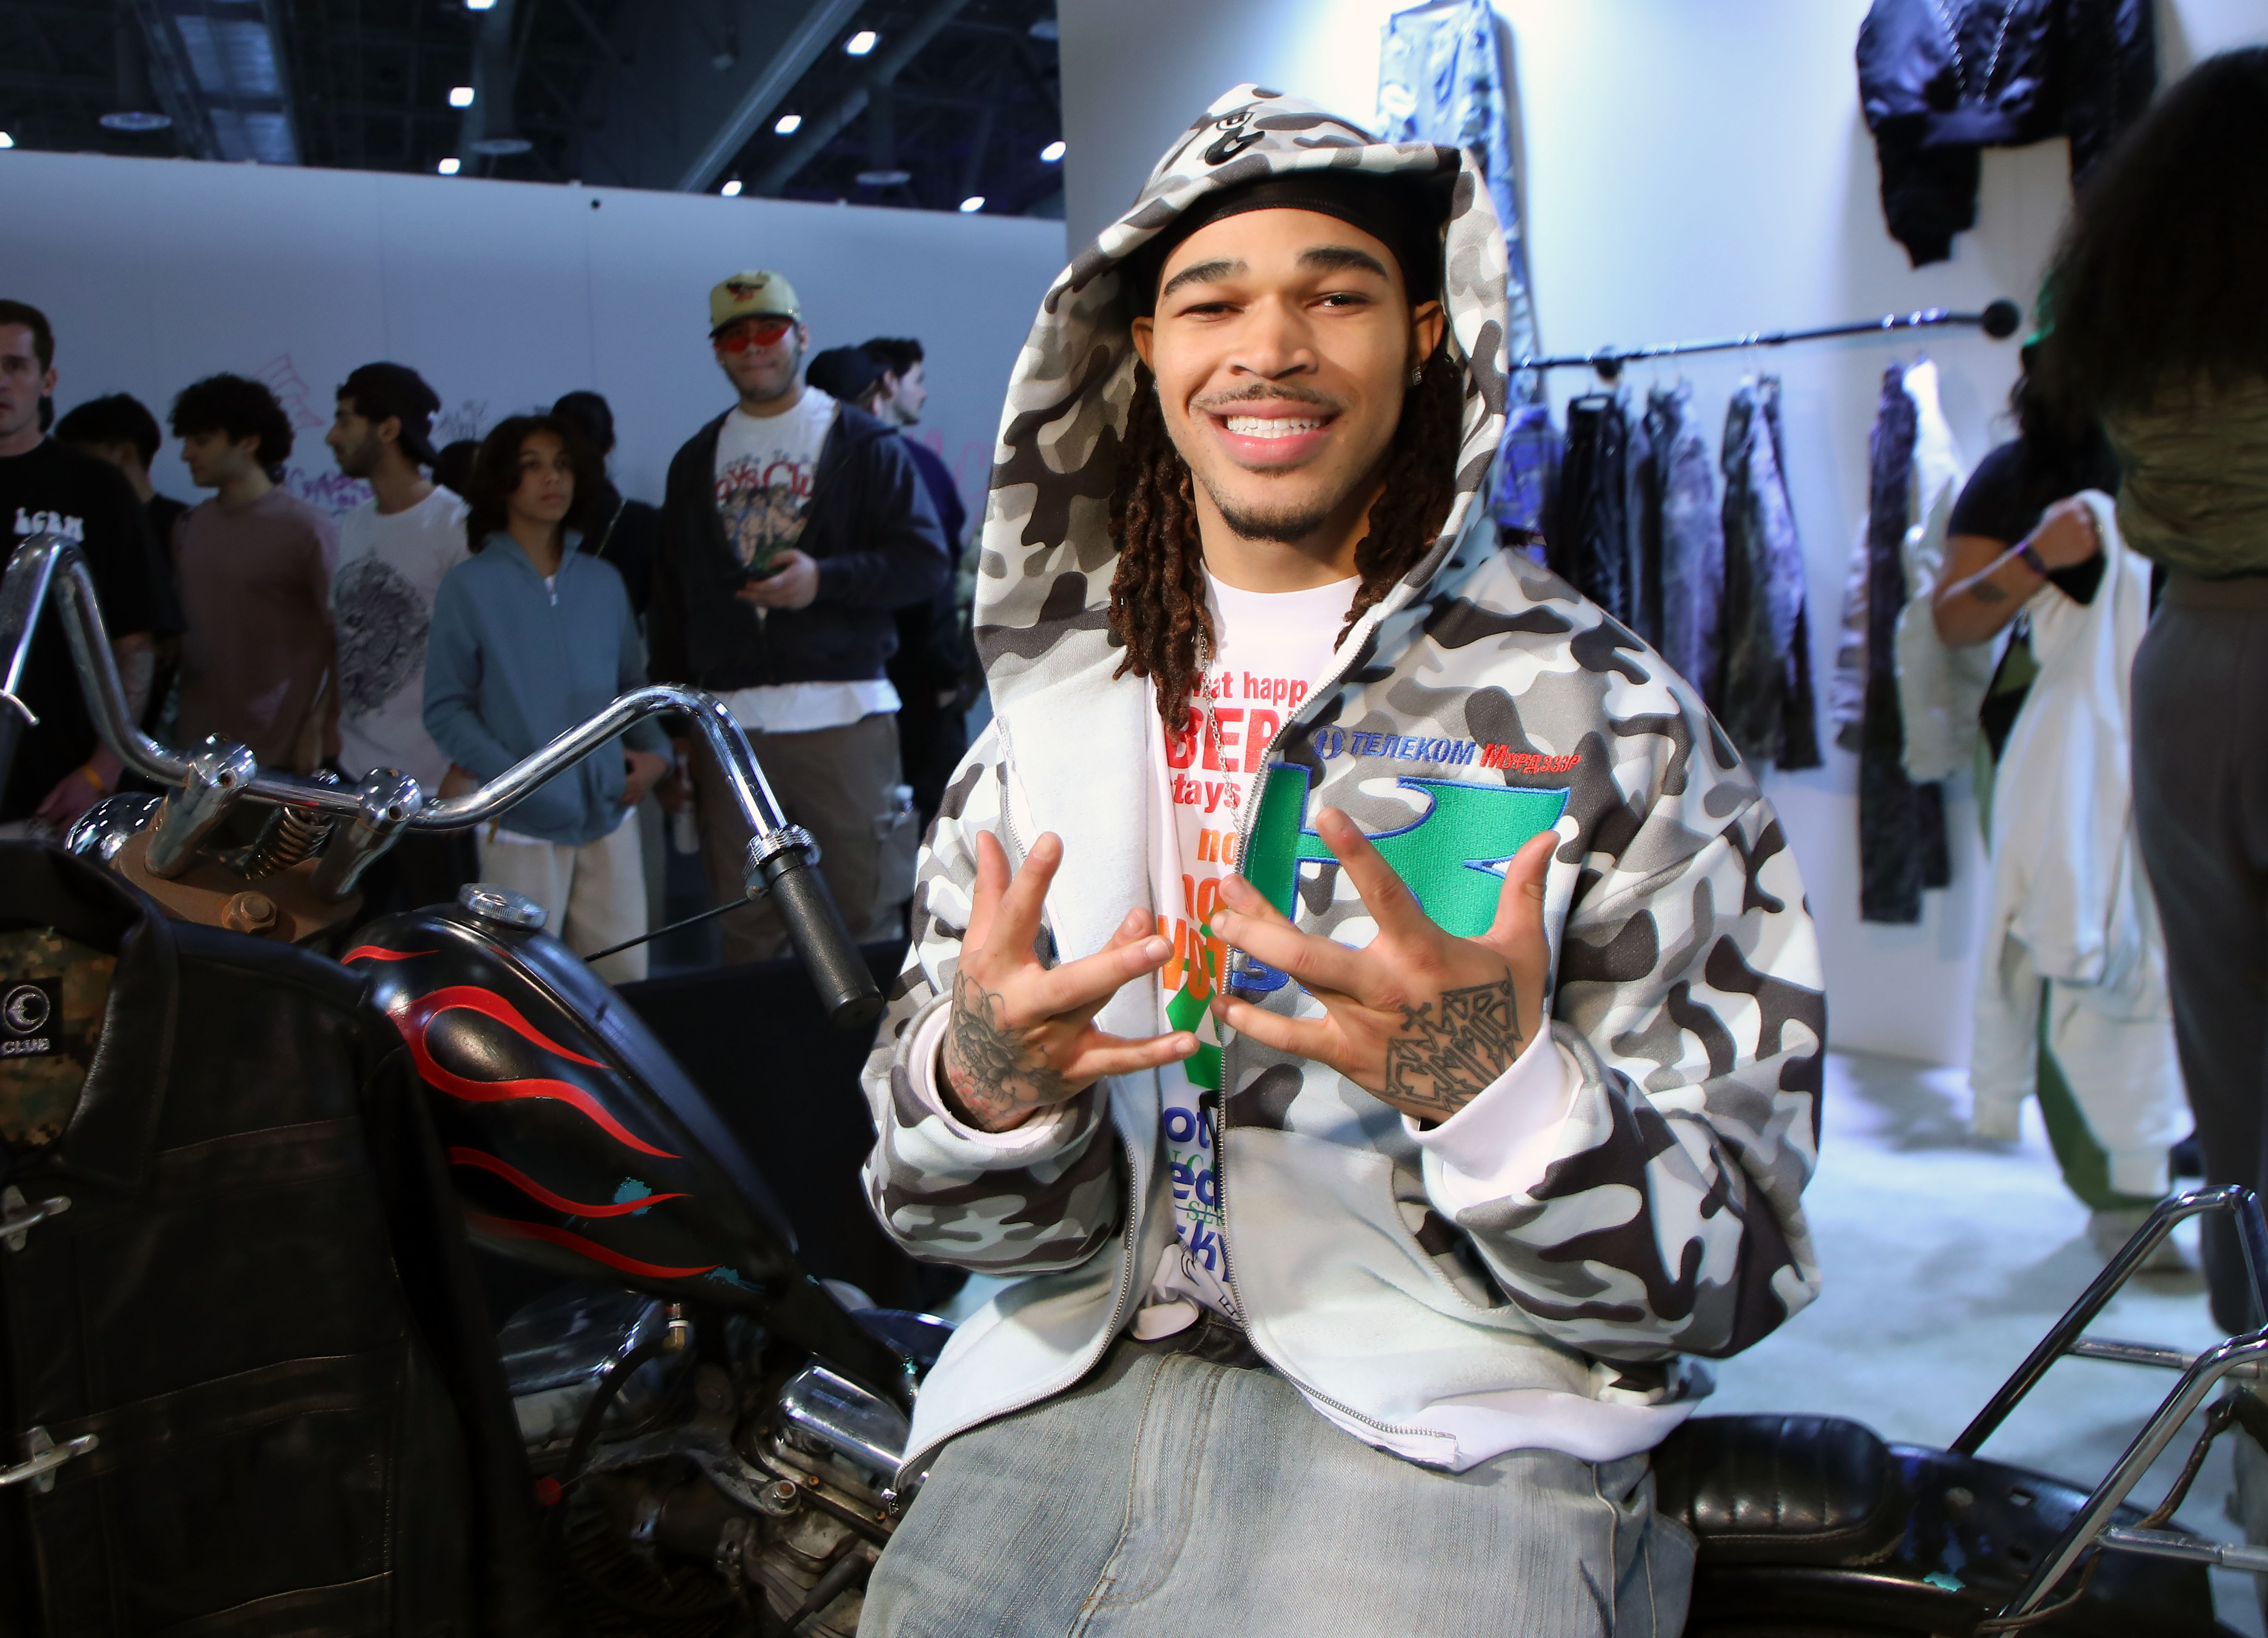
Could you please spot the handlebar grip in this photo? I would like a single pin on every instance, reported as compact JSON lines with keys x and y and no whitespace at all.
{"x":815,"y":926}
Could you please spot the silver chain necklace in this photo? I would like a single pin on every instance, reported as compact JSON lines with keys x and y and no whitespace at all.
{"x":1947,"y":22}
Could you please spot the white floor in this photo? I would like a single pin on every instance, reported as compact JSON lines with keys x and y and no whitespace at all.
{"x":1947,"y":1258}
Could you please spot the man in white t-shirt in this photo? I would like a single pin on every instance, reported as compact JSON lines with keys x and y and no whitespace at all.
{"x":793,"y":529}
{"x":393,"y":549}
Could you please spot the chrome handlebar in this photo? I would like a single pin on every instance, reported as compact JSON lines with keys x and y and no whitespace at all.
{"x":203,"y":785}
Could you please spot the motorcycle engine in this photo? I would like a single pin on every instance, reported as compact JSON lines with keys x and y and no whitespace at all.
{"x":726,"y":1479}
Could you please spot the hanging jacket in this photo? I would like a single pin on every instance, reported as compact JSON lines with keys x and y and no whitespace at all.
{"x":1940,"y":79}
{"x":1902,"y":841}
{"x":1763,"y":691}
{"x":1690,"y":533}
{"x":1663,"y":1218}
{"x":259,"y":1302}
{"x":1442,"y":79}
{"x":2070,"y":900}
{"x":1590,"y":542}
{"x":1940,"y":688}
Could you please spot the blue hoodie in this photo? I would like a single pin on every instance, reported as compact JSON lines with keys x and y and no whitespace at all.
{"x":510,"y":664}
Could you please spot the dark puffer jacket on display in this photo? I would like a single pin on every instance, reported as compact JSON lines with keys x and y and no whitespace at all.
{"x":259,"y":1301}
{"x":1940,"y":79}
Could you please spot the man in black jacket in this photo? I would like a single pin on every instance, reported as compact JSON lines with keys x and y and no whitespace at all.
{"x":793,"y":528}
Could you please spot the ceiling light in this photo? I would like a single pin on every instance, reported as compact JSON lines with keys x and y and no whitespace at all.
{"x":1053,"y":152}
{"x":892,"y":177}
{"x":860,"y":43}
{"x":461,"y":96}
{"x":479,"y":5}
{"x":731,"y":188}
{"x":787,"y":125}
{"x":134,"y":120}
{"x":971,"y":205}
{"x":6,"y":141}
{"x":447,"y":168}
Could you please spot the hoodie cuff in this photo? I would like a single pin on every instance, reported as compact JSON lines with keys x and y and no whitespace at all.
{"x":926,"y":1068}
{"x":1497,"y":1146}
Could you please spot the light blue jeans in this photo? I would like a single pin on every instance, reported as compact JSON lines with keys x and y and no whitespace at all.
{"x":1179,"y":1492}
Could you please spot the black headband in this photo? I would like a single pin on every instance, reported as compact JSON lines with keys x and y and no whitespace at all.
{"x":1394,"y":212}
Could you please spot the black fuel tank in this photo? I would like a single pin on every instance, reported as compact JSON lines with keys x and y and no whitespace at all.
{"x":576,"y":1141}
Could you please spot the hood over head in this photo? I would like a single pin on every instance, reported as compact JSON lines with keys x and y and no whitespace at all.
{"x":1044,"y":574}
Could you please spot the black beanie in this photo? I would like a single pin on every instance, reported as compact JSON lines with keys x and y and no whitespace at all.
{"x":1396,"y":212}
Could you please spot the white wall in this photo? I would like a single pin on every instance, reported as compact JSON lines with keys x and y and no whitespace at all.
{"x":504,"y":295}
{"x":1689,"y":170}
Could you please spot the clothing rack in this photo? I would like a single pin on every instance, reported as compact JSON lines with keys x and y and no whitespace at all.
{"x":1997,"y":320}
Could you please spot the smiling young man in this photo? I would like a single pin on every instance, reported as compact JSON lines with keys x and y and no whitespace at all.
{"x":1352,"y":1299}
{"x":793,"y":530}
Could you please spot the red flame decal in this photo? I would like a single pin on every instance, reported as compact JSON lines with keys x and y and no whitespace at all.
{"x":413,"y":1016}
{"x":379,"y":952}
{"x":533,"y":1190}
{"x":512,"y":1229}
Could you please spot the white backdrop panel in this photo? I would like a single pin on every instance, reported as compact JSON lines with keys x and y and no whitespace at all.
{"x":504,"y":295}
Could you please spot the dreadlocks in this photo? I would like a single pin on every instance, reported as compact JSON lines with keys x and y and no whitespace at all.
{"x":1157,"y":595}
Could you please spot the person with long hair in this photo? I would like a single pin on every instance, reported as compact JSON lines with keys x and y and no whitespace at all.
{"x":1357,"y":992}
{"x":2161,"y":328}
{"x":531,"y":637}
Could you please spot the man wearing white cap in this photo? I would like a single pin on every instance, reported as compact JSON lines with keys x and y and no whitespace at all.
{"x":794,"y":526}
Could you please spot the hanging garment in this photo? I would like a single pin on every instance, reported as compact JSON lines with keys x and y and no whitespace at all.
{"x":1940,"y":79}
{"x":1902,"y":844}
{"x":1441,"y":78}
{"x":1941,"y":690}
{"x":2070,"y":900}
{"x":1764,"y":699}
{"x":1527,"y":486}
{"x":1682,"y":541}
{"x":1846,"y":687}
{"x":1591,"y":547}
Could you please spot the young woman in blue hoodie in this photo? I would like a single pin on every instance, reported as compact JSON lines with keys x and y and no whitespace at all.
{"x":531,"y":637}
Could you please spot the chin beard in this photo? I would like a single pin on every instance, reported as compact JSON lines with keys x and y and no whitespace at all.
{"x":1284,"y":524}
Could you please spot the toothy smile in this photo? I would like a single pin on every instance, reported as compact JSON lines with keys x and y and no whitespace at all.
{"x":1270,"y":426}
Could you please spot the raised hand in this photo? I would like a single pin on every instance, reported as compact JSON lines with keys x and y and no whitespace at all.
{"x":1022,"y":1038}
{"x":1422,"y":1018}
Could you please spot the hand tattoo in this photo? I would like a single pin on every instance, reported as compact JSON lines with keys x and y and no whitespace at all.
{"x":1440,"y":1064}
{"x":992,"y":1077}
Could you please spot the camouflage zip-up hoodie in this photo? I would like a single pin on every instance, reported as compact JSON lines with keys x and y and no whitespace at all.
{"x":1686,"y":997}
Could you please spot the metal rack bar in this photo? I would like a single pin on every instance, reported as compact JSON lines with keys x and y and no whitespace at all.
{"x":1996,"y":318}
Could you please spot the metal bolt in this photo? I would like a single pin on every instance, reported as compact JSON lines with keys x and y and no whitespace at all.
{"x":248,"y":912}
{"x":779,"y":1498}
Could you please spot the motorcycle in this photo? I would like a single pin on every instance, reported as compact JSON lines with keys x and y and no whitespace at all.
{"x":719,"y":1439}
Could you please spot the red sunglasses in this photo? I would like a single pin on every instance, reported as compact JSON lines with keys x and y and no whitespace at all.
{"x":754,"y":333}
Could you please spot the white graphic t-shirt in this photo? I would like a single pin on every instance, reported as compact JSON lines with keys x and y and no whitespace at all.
{"x":765,"y":467}
{"x":1270,"y":649}
{"x":390,"y":567}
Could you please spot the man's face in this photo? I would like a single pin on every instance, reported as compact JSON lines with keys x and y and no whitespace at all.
{"x":23,"y":380}
{"x":1282,"y":344}
{"x":761,"y":355}
{"x":213,"y":458}
{"x":356,"y":441}
{"x":904,"y":395}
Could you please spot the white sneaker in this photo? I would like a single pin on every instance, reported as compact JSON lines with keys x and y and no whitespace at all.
{"x":2111,"y":1230}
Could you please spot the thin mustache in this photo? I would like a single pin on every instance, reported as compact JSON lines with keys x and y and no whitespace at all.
{"x":1263,"y":392}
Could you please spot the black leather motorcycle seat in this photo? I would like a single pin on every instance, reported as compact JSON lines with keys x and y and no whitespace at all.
{"x":1790,"y":1489}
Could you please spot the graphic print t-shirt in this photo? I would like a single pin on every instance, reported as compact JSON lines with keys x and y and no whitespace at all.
{"x":1270,"y":648}
{"x":765,"y":465}
{"x":390,"y":567}
{"x":54,"y":488}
